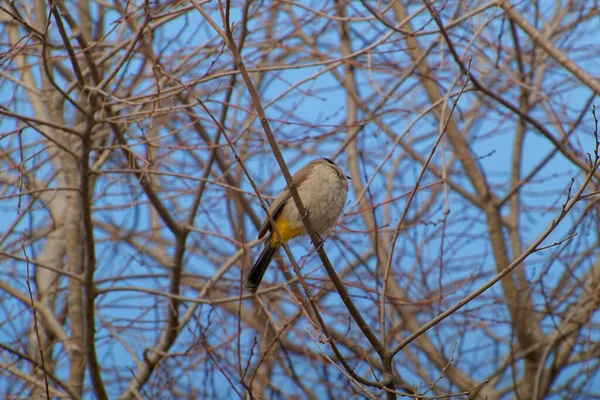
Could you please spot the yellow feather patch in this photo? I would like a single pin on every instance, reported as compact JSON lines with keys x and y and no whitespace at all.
{"x":287,"y":232}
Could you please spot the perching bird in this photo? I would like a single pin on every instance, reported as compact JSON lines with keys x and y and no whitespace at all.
{"x":323,"y":188}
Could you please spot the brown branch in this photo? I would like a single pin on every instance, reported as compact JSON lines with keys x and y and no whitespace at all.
{"x":568,"y":206}
{"x":548,"y":47}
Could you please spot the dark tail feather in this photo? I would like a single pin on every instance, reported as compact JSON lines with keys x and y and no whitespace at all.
{"x":260,"y":266}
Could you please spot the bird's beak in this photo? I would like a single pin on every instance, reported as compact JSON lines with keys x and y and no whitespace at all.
{"x":347,"y":177}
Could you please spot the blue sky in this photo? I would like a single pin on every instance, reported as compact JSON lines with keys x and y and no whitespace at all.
{"x":294,"y":116}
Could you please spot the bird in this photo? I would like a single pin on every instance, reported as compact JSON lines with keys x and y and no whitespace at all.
{"x":323,"y":188}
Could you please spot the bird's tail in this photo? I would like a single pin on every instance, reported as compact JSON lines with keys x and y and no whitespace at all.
{"x":260,"y":266}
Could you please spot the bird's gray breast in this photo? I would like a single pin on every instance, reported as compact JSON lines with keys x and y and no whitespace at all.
{"x":324,"y":194}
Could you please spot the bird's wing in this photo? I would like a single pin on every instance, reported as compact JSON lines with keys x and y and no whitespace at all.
{"x":298,"y":178}
{"x":274,"y":210}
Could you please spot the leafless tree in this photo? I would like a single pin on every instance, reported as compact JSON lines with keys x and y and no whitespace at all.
{"x":141,"y":142}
